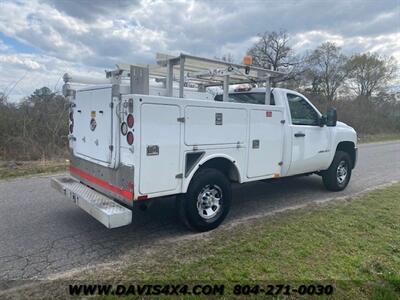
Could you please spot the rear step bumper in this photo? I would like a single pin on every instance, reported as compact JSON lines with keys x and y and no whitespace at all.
{"x":105,"y":210}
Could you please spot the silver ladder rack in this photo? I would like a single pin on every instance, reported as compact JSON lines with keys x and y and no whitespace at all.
{"x":188,"y":69}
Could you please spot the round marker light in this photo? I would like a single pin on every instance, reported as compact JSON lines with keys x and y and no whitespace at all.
{"x":130,"y":121}
{"x":129,"y":138}
{"x":247,"y":60}
{"x":124,"y":128}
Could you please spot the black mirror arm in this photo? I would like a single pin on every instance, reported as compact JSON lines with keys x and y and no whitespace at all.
{"x":322,"y":121}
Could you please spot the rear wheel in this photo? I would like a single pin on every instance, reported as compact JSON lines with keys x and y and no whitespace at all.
{"x":338,"y":175}
{"x":207,"y":201}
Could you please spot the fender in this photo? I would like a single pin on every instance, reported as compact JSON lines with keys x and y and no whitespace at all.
{"x":342,"y":133}
{"x":206,"y":159}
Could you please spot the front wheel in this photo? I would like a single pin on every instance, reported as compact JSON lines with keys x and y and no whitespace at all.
{"x":207,"y":201}
{"x":338,"y":175}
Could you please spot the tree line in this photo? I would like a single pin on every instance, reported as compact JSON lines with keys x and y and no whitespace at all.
{"x":326,"y":70}
{"x":35,"y":128}
{"x":357,"y":85}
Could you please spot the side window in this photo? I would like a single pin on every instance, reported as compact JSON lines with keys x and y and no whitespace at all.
{"x":252,"y":98}
{"x":301,"y":111}
{"x":218,"y":98}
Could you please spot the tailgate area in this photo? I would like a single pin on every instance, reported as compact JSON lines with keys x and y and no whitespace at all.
{"x":105,"y":210}
{"x":93,"y":125}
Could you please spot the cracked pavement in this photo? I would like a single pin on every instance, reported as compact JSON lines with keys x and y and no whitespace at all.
{"x":42,"y":233}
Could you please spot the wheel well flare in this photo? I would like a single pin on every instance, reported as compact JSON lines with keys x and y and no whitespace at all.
{"x":225,"y":166}
{"x":349,"y":148}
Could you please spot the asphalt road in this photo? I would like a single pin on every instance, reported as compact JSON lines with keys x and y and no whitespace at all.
{"x":43,"y":234}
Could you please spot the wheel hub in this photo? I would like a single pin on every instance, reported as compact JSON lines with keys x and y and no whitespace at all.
{"x":341,"y":172}
{"x":209,"y":201}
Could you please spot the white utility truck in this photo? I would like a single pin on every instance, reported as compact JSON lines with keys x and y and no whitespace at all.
{"x":131,"y":142}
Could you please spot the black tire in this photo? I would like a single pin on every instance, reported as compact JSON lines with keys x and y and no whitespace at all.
{"x":333,"y":179}
{"x":203,"y":181}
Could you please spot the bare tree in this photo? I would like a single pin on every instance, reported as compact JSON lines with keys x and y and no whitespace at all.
{"x":273,"y":51}
{"x":3,"y":98}
{"x":328,"y":70}
{"x":225,"y":57}
{"x":370,"y":73}
{"x":34,"y":128}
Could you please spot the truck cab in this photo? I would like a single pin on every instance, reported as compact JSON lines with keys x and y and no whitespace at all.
{"x":309,"y":139}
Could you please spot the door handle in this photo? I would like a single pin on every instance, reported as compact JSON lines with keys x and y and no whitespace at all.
{"x":299,"y":134}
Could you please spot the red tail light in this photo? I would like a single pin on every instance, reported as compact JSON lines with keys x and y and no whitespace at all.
{"x":129,"y":138}
{"x":130,"y":120}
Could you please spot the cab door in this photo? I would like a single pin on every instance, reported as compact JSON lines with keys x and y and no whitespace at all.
{"x":310,"y":141}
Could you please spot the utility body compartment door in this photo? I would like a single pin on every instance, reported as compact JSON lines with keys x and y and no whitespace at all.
{"x":160,"y":148}
{"x":215,"y":125}
{"x":266,"y":143}
{"x":93,"y":125}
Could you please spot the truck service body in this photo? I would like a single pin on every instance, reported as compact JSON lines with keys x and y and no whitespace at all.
{"x":131,"y":142}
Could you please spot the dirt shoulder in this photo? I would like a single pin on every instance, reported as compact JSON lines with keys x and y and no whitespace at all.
{"x":13,"y":169}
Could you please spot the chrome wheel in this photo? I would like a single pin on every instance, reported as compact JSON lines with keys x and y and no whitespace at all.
{"x":341,"y":172}
{"x":209,"y":201}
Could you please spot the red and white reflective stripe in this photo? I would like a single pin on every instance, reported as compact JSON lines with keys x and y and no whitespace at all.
{"x":104,"y":184}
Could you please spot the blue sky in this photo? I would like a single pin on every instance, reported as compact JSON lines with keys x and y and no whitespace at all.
{"x":42,"y":39}
{"x":17,"y":46}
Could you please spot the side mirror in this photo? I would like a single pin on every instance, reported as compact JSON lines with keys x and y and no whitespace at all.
{"x":331,"y":117}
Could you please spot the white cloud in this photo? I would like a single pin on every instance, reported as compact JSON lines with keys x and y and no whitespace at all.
{"x":387,"y":45}
{"x":25,"y":62}
{"x":21,"y":74}
{"x":310,"y":39}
